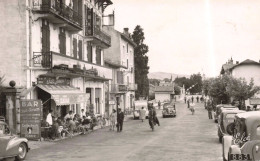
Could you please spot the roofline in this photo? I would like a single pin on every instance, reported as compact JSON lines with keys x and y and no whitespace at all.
{"x":245,"y":63}
{"x":128,"y":39}
{"x":115,"y":65}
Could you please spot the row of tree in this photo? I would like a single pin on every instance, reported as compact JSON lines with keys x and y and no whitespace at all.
{"x":227,"y":89}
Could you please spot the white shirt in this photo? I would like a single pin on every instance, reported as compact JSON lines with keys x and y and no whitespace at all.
{"x":49,"y":119}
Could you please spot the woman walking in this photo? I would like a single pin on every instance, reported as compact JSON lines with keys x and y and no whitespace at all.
{"x":113,"y":117}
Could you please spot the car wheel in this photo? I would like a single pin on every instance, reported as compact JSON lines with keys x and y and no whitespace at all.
{"x":22,"y":151}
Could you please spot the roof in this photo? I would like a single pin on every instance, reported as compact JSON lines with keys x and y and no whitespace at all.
{"x":232,"y":111}
{"x":250,"y":115}
{"x":115,"y":64}
{"x":127,"y":38}
{"x":246,"y":62}
{"x":226,"y":67}
{"x":164,"y":89}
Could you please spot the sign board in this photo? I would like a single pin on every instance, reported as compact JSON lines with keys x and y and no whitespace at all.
{"x":65,"y":99}
{"x":254,"y":101}
{"x":53,"y":81}
{"x":30,"y":116}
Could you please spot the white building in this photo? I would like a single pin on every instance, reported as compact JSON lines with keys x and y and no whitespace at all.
{"x":164,"y":93}
{"x":54,"y":51}
{"x":120,"y":56}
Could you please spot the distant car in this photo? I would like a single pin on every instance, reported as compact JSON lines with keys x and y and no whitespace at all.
{"x":168,"y":110}
{"x":226,"y":122}
{"x":218,"y":110}
{"x":11,"y":145}
{"x":137,"y":113}
{"x":245,"y":142}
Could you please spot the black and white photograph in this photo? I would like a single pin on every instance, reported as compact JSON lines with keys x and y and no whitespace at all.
{"x":130,"y":80}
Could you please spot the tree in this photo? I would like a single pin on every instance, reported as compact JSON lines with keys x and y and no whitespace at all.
{"x":177,"y":89}
{"x":180,"y":81}
{"x":154,"y":82}
{"x":196,"y":82}
{"x":141,"y":63}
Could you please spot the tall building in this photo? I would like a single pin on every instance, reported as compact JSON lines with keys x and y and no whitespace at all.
{"x":121,"y":57}
{"x":54,"y":51}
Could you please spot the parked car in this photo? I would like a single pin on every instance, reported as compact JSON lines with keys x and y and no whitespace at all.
{"x":218,"y":110}
{"x":168,"y":110}
{"x":245,"y":142}
{"x":137,"y":106}
{"x":226,"y":122}
{"x":11,"y":145}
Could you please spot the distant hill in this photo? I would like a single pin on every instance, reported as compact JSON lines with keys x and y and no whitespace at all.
{"x":162,"y":75}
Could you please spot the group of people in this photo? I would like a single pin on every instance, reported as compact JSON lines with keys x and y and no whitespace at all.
{"x":191,"y":99}
{"x":117,"y":120}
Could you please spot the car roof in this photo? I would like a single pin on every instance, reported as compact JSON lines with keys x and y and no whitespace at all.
{"x":250,"y":115}
{"x":232,"y":111}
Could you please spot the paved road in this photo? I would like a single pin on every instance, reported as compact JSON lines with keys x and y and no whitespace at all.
{"x":186,"y":137}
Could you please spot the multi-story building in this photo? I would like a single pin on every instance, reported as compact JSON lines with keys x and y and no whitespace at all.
{"x":120,"y":56}
{"x":54,"y":51}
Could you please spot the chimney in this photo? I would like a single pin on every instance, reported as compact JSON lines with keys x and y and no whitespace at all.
{"x":237,"y":62}
{"x":126,"y":31}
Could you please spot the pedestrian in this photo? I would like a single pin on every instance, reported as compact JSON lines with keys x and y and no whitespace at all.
{"x":188,"y":103}
{"x":49,"y":118}
{"x":192,"y":108}
{"x":185,"y":99}
{"x":120,"y":120}
{"x":175,"y":98}
{"x":113,"y":118}
{"x":68,"y":115}
{"x":197,"y":99}
{"x":159,"y":104}
{"x":210,"y":108}
{"x":192,"y":98}
{"x":142,"y":114}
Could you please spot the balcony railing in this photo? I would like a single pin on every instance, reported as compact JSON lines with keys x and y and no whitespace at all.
{"x":60,"y":9}
{"x":47,"y":60}
{"x":117,"y":88}
{"x":100,"y":37}
{"x":132,"y":87}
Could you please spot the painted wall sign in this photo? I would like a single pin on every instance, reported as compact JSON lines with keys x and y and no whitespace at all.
{"x":30,"y":116}
{"x":53,"y":81}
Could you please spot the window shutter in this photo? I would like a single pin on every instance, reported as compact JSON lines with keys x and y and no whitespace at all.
{"x":89,"y":50}
{"x":98,"y":56}
{"x":80,"y":50}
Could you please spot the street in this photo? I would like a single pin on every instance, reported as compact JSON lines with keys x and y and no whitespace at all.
{"x":186,"y":137}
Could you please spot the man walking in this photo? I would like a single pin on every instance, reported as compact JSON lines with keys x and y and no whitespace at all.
{"x":159,"y":105}
{"x":210,"y":108}
{"x":185,"y":99}
{"x":192,"y":98}
{"x":197,"y":99}
{"x":120,"y":120}
{"x":142,"y":114}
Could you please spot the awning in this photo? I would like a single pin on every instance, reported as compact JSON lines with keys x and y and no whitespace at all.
{"x":65,"y":95}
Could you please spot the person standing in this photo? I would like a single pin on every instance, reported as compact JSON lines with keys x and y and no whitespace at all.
{"x":159,"y":105}
{"x":185,"y":99}
{"x":49,"y":118}
{"x":120,"y":120}
{"x":188,"y":103}
{"x":142,"y":114}
{"x":113,"y":118}
{"x":192,"y":98}
{"x":210,"y":108}
{"x":197,"y":99}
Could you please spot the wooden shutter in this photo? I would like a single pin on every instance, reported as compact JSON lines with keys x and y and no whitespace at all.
{"x":98,"y":56}
{"x":62,"y":38}
{"x":89,"y":50}
{"x":75,"y":48}
{"x":45,"y":36}
{"x":80,"y":50}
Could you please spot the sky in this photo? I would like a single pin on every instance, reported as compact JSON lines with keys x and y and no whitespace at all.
{"x":192,"y":36}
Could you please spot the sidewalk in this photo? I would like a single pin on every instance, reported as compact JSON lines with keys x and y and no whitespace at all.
{"x":46,"y":143}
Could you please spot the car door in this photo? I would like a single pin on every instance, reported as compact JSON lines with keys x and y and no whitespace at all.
{"x":229,"y":119}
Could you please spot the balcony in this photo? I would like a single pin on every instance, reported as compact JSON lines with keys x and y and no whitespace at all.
{"x":50,"y":60}
{"x":58,"y":13}
{"x":118,"y":88}
{"x":132,"y":87}
{"x":99,"y":37}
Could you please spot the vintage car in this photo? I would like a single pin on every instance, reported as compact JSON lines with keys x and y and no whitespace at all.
{"x":168,"y":110}
{"x":226,"y":122}
{"x":218,"y":110}
{"x":11,"y":145}
{"x":137,"y":106}
{"x":245,"y":142}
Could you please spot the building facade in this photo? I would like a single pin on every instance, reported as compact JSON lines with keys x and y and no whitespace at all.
{"x":120,"y":56}
{"x":54,"y":51}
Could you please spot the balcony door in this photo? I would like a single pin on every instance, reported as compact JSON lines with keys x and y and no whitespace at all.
{"x":62,"y":38}
{"x":98,"y":56}
{"x":45,"y":36}
{"x":89,"y":52}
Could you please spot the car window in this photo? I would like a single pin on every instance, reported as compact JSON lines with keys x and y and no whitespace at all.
{"x":258,"y":131}
{"x":230,"y":116}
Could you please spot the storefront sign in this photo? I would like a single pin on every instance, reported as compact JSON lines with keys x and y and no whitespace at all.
{"x":30,"y":116}
{"x":53,"y":81}
{"x":254,"y":101}
{"x":65,"y":99}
